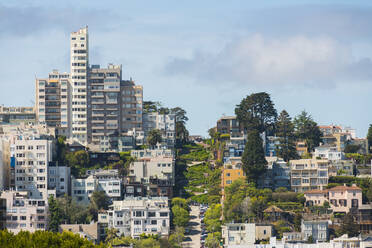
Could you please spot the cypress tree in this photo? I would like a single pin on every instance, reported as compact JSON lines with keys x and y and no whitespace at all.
{"x":286,"y":148}
{"x":253,"y":159}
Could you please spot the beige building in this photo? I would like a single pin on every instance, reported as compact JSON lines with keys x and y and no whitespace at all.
{"x":89,"y":231}
{"x":24,"y":212}
{"x":52,"y":101}
{"x":17,"y":114}
{"x":308,"y":174}
{"x":340,"y":198}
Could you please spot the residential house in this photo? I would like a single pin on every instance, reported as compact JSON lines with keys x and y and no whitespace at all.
{"x":135,"y":216}
{"x":317,"y":229}
{"x":245,"y":233}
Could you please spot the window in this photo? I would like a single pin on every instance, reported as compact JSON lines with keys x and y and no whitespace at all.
{"x":138,"y":213}
{"x":151,"y":214}
{"x":137,"y":222}
{"x":154,"y":222}
{"x":163,"y":214}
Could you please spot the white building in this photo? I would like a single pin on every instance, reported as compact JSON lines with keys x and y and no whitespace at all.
{"x":317,"y":229}
{"x":134,"y":216}
{"x":79,"y":61}
{"x":24,"y":212}
{"x":243,"y":234}
{"x":165,"y":123}
{"x":328,"y":152}
{"x":32,"y":157}
{"x":59,"y":178}
{"x":150,"y":153}
{"x":98,"y":180}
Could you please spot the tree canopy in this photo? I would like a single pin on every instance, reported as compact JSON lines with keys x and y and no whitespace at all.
{"x":307,"y":129}
{"x":369,"y":138}
{"x":257,"y":112}
{"x":154,"y":137}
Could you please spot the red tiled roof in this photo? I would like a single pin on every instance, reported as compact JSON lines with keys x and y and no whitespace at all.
{"x":316,"y":191}
{"x":343,"y":188}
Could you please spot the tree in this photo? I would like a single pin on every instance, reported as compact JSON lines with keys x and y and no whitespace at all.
{"x":178,"y":201}
{"x":154,"y":137}
{"x":349,"y":226}
{"x":55,"y":214}
{"x":213,"y":240}
{"x":253,"y":159}
{"x":212,"y":218}
{"x":180,"y":216}
{"x":100,"y":200}
{"x":72,"y":212}
{"x":369,"y":138}
{"x":307,"y":129}
{"x":111,"y":234}
{"x":182,"y":134}
{"x":350,"y":148}
{"x":61,"y":149}
{"x":177,"y":237}
{"x":286,"y":148}
{"x":257,"y":112}
{"x":149,"y":106}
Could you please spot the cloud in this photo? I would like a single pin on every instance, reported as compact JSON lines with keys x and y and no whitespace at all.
{"x":258,"y":60}
{"x":28,"y":20}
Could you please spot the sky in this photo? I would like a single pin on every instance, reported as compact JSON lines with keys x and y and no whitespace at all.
{"x":204,"y":56}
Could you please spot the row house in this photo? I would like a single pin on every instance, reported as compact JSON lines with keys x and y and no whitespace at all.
{"x":135,"y":216}
{"x":341,"y":198}
{"x":242,"y":234}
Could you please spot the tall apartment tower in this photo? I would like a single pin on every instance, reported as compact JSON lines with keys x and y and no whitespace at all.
{"x":104,"y":101}
{"x":52,"y":101}
{"x":79,"y":85}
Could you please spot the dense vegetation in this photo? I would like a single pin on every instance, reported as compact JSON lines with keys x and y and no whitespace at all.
{"x":44,"y":239}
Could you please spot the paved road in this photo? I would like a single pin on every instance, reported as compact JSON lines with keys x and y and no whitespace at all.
{"x":193,"y":239}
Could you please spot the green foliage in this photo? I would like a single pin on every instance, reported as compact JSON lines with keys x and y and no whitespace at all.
{"x":349,"y":226}
{"x":73,"y":212}
{"x":44,"y":239}
{"x":149,"y":106}
{"x":369,"y":138}
{"x":253,"y":159}
{"x":310,"y":240}
{"x":359,"y":158}
{"x":180,"y":216}
{"x":98,"y":201}
{"x":286,"y":148}
{"x":195,"y":153}
{"x":176,"y":238}
{"x":257,"y":112}
{"x":55,"y":213}
{"x":154,"y":137}
{"x":177,"y":201}
{"x":350,"y":148}
{"x":213,"y":240}
{"x":307,"y":129}
{"x":61,"y":149}
{"x":78,"y":161}
{"x":280,"y":228}
{"x":212,"y":218}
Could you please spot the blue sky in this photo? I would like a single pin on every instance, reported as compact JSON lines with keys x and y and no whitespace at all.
{"x":204,"y":56}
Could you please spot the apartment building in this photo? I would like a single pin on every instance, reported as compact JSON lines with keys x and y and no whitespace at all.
{"x":150,"y":153}
{"x":17,"y":115}
{"x":135,"y":216}
{"x":52,"y":101}
{"x":32,"y":157}
{"x":4,"y":163}
{"x":340,"y":198}
{"x":277,"y":174}
{"x":131,"y":107}
{"x":161,"y":167}
{"x":79,"y":66}
{"x":317,"y":229}
{"x":242,"y":234}
{"x":328,"y":152}
{"x":105,"y":101}
{"x":59,"y":178}
{"x":97,"y":180}
{"x":229,"y":125}
{"x":165,"y":123}
{"x":24,"y":212}
{"x":308,"y":174}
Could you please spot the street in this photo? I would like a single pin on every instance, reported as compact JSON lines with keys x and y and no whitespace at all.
{"x":192,"y":240}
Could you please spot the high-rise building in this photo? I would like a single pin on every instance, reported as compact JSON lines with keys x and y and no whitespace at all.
{"x":52,"y":101}
{"x":104,"y":101}
{"x":91,"y":102}
{"x":79,"y":85}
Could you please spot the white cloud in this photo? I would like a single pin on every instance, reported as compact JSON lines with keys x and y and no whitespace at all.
{"x":259,"y":60}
